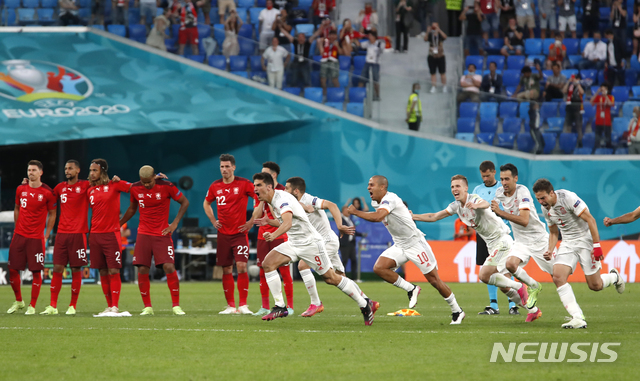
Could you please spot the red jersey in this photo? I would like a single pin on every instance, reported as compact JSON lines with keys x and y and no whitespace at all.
{"x":329,"y":52}
{"x":105,"y":206}
{"x":267,"y":211}
{"x":34,"y":204}
{"x":187,"y":12}
{"x":322,"y":8}
{"x":558,"y":50}
{"x":231,"y":200}
{"x":154,"y":205}
{"x":74,"y":206}
{"x":603,"y":113}
{"x":487,"y":7}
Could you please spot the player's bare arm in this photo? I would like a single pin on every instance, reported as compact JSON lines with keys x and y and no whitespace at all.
{"x":16,"y":214}
{"x":522,"y":219}
{"x":208,"y":210}
{"x":287,"y":221}
{"x":431,"y":217}
{"x":51,"y":220}
{"x":131,"y":211}
{"x":623,"y":219}
{"x":595,"y":235}
{"x":184,"y":205}
{"x":377,"y":216}
{"x":308,"y":208}
{"x":483,"y":204}
{"x":553,"y":241}
{"x":337,"y":217}
{"x":255,"y":216}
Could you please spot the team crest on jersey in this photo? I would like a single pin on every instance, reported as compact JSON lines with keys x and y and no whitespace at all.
{"x":40,"y":197}
{"x":283,"y":205}
{"x":314,"y":201}
{"x":158,"y":196}
{"x":24,"y":194}
{"x":106,"y":188}
{"x":219,"y":191}
{"x":78,"y":189}
{"x":562,"y":210}
{"x":236,"y":190}
{"x":140,"y":195}
{"x":576,"y":204}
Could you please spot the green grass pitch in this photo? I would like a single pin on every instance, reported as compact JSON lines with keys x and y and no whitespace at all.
{"x":332,"y":345}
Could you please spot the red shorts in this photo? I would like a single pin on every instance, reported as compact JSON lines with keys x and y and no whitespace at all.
{"x":188,"y":36}
{"x":25,"y":250}
{"x":70,"y":248}
{"x":105,"y":250}
{"x":265,"y":247}
{"x":160,"y":247}
{"x":231,"y":249}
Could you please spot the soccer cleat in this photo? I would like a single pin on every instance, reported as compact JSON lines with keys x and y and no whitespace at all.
{"x":413,"y":296}
{"x":261,"y":312}
{"x":514,"y":311}
{"x":524,"y":296}
{"x":177,"y":310}
{"x":533,"y":296}
{"x":575,"y":323}
{"x":49,"y":311}
{"x":488,"y":310}
{"x":30,"y":311}
{"x":312,"y":310}
{"x":457,"y":317}
{"x":16,"y":306}
{"x":290,"y":311}
{"x":71,"y":311}
{"x":228,"y":311}
{"x":276,"y":312}
{"x":147,"y":311}
{"x":618,"y":283}
{"x":244,"y":310}
{"x":369,"y":311}
{"x":533,"y":316}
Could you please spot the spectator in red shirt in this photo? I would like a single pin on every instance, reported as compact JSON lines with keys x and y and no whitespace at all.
{"x":603,"y":102}
{"x":463,"y":232}
{"x":321,"y":9}
{"x":329,"y":67}
{"x":490,"y":21}
{"x":349,"y":38}
{"x":557,"y":52}
{"x":187,"y":15}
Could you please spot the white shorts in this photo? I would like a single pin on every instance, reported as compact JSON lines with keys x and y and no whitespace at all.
{"x":314,"y":254}
{"x":498,"y":253}
{"x":563,"y":21}
{"x":420,"y":255}
{"x":570,"y":254}
{"x":332,"y":248}
{"x":524,"y":253}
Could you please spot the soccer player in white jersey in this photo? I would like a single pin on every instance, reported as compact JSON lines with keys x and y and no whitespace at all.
{"x":623,"y":219}
{"x":531,"y":237}
{"x":408,"y":245}
{"x":567,"y":213}
{"x":476,"y":213}
{"x":304,"y":243}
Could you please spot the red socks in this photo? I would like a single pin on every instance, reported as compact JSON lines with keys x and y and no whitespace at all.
{"x":116,"y":285}
{"x":144,"y":285}
{"x":106,"y":288}
{"x":76,"y":283}
{"x":16,"y":282}
{"x":285,"y":273}
{"x":35,"y":288}
{"x":56,"y":285}
{"x":228,"y":287}
{"x":243,"y":288}
{"x":264,"y":290}
{"x":174,"y":287}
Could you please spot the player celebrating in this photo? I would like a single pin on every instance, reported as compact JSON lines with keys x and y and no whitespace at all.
{"x":530,"y":235}
{"x":154,"y":233}
{"x":565,"y":212}
{"x":104,"y":239}
{"x":231,"y":194}
{"x":623,"y":219}
{"x":304,"y":243}
{"x":35,"y":208}
{"x":408,"y":245}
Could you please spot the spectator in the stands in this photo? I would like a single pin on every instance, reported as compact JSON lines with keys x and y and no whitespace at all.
{"x":68,"y":14}
{"x":490,"y":21}
{"x":547,"y":17}
{"x":614,"y":64}
{"x":148,"y":10}
{"x":300,"y":67}
{"x":97,"y":10}
{"x":636,"y":31}
{"x":349,"y":38}
{"x":573,"y":110}
{"x":618,"y":19}
{"x":414,"y":108}
{"x":491,"y":83}
{"x":274,"y":59}
{"x":267,"y":17}
{"x":436,"y":58}
{"x":529,"y":87}
{"x":321,"y":9}
{"x":279,"y":27}
{"x":367,"y":18}
{"x":603,"y":102}
{"x":322,"y":33}
{"x":186,"y":14}
{"x":157,"y":35}
{"x":120,"y":10}
{"x":329,"y":67}
{"x":513,"y":39}
{"x":557,"y":52}
{"x":470,"y":84}
{"x":474,"y":30}
{"x":358,"y":204}
{"x":205,"y":6}
{"x":555,"y":84}
{"x":403,"y":9}
{"x":590,"y":17}
{"x":374,"y":48}
{"x":594,"y":54}
{"x":633,"y":140}
{"x":507,"y":12}
{"x":225,"y":6}
{"x":463,"y":232}
{"x":567,"y":17}
{"x":230,"y":45}
{"x":525,"y":14}
{"x":424,"y":8}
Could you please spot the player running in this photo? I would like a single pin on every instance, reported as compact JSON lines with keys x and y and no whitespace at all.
{"x":153,"y":197}
{"x":304,"y":243}
{"x":231,"y":194}
{"x":35,"y":210}
{"x":408,"y":245}
{"x":566,"y":213}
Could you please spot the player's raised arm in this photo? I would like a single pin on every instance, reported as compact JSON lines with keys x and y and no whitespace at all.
{"x":522,"y":219}
{"x":133,"y":208}
{"x":593,"y":228}
{"x":337,"y":217}
{"x":478,"y":204}
{"x":287,"y":221}
{"x":623,"y":219}
{"x":431,"y":217}
{"x":258,"y":210}
{"x":377,"y":216}
{"x":184,"y":205}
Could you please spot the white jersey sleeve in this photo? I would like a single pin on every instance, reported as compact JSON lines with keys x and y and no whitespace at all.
{"x":399,"y":222}
{"x":452,"y":208}
{"x":566,"y":215}
{"x":535,"y":233}
{"x":302,"y":231}
{"x":319,"y":218}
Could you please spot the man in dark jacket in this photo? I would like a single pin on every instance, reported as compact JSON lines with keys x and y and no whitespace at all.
{"x":491,"y":83}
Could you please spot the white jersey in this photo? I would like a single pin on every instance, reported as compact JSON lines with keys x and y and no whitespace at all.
{"x":534,"y":234}
{"x":489,"y":226}
{"x":566,"y":215}
{"x":302,"y":231}
{"x":319,"y":218}
{"x":399,"y":222}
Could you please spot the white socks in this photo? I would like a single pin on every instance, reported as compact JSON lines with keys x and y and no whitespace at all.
{"x":350,"y":288}
{"x":451,"y":300}
{"x":608,"y":279}
{"x":569,"y":300}
{"x":500,"y":280}
{"x":515,"y":297}
{"x":403,"y":284}
{"x":525,"y":278}
{"x":310,"y":282}
{"x":273,"y":280}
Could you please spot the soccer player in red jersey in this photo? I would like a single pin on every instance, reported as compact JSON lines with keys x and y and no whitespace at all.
{"x":153,"y":197}
{"x":231,"y":194}
{"x":104,"y":239}
{"x":35,"y":208}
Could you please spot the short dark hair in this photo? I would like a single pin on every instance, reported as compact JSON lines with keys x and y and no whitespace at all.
{"x":37,"y":163}
{"x":264,"y":177}
{"x":525,"y":70}
{"x":558,"y":34}
{"x":510,"y":167}
{"x":493,"y":63}
{"x":474,"y":66}
{"x":228,"y":157}
{"x":333,"y":32}
{"x":542,"y":185}
{"x":104,"y":167}
{"x":608,"y":32}
{"x":74,"y":162}
{"x":460,"y":177}
{"x":556,"y":64}
{"x":297,"y":183}
{"x":487,"y":165}
{"x":271,"y":166}
{"x":374,"y":33}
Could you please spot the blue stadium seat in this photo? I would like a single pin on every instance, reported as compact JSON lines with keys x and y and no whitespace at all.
{"x":589,"y":110}
{"x":246,"y":31}
{"x":307,"y":29}
{"x":549,"y":142}
{"x":54,"y":3}
{"x":45,"y":16}
{"x":261,"y":3}
{"x":204,"y":31}
{"x":569,"y":72}
{"x":313,"y":94}
{"x":258,"y":76}
{"x":247,"y":47}
{"x":255,"y":63}
{"x":511,"y":125}
{"x":315,"y":65}
{"x":635,"y":90}
{"x":635,"y":65}
{"x":218,"y":34}
{"x":476,"y":60}
{"x":31,"y":3}
{"x":245,"y":3}
{"x":466,"y":136}
{"x":568,"y":141}
{"x":532,"y":46}
{"x":254,"y":14}
{"x":119,"y":30}
{"x":627,"y":108}
{"x":468,"y":110}
{"x":237,"y":63}
{"x":196,"y":57}
{"x":466,"y":125}
{"x":508,"y":109}
{"x":357,"y":94}
{"x":336,"y":105}
{"x":555,"y":125}
{"x":622,"y":151}
{"x":242,"y":74}
{"x":573,"y":46}
{"x":615,"y":109}
{"x":574,"y":60}
{"x":584,"y":42}
{"x":603,"y":151}
{"x":620,"y":125}
{"x":133,"y":15}
{"x":488,"y":110}
{"x":335,"y":94}
{"x":591,"y":74}
{"x":525,"y":142}
{"x":510,"y":90}
{"x":305,"y":3}
{"x":506,"y":140}
{"x":242,"y":14}
{"x":589,"y":140}
{"x":358,"y":63}
{"x":524,"y":110}
{"x":530,"y":60}
{"x":138,"y":32}
{"x":499,"y":60}
{"x":620,"y":93}
{"x":511,"y":77}
{"x":515,"y":63}
{"x":345,"y":63}
{"x":630,"y":77}
{"x":494,"y":45}
{"x":219,"y":62}
{"x":601,"y":76}
{"x":343,"y":79}
{"x":486,"y":138}
{"x":315,"y":79}
{"x":546,"y":43}
{"x":548,"y":110}
{"x":583,"y":151}
{"x":26,"y":16}
{"x":12,"y":4}
{"x":292,"y":90}
{"x":489,"y":125}
{"x":355,"y":109}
